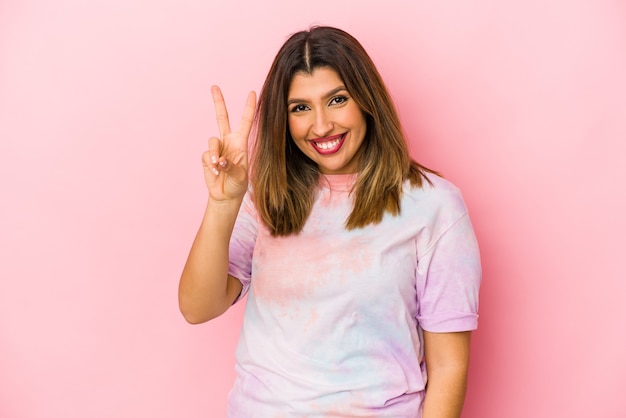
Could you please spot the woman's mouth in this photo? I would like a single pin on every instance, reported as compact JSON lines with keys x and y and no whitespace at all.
{"x":328,"y":145}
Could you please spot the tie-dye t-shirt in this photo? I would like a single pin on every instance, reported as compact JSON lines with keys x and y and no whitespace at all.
{"x":332,"y":326}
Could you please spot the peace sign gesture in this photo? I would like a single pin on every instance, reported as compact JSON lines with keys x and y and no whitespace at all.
{"x":226,"y":162}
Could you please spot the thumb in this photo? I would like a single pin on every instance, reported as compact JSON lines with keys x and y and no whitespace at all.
{"x":236,"y":174}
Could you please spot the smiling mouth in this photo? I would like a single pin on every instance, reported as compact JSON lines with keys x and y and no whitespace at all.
{"x":329,"y":145}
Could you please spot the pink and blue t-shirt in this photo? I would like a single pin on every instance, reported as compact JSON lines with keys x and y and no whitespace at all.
{"x":334,"y":318}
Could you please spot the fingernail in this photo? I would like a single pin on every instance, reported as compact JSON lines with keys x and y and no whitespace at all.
{"x":214,"y":170}
{"x":214,"y":159}
{"x":223,"y":163}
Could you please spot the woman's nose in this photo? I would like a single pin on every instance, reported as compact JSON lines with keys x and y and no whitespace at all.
{"x":322,"y":125}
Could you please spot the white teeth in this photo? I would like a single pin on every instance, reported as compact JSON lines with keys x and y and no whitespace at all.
{"x":328,"y":145}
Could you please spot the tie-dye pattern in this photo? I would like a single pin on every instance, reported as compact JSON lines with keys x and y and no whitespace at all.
{"x":333,"y":320}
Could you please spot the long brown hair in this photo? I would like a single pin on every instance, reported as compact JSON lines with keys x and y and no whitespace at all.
{"x":284,"y":180}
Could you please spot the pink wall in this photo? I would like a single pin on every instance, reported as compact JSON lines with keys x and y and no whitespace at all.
{"x":105,"y":111}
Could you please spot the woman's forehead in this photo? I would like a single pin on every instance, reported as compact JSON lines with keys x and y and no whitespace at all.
{"x":319,"y":83}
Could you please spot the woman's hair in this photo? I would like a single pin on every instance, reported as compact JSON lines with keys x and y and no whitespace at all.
{"x":284,"y":180}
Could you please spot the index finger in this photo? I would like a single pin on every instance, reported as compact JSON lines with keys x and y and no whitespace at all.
{"x":220,"y":111}
{"x":247,"y":117}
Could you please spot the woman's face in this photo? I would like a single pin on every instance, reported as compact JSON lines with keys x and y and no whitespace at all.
{"x":325,"y":122}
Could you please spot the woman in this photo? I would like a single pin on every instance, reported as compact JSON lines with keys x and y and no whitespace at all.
{"x":361,"y":266}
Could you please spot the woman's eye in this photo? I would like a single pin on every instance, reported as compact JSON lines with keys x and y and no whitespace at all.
{"x":298,"y":108}
{"x":338,"y":100}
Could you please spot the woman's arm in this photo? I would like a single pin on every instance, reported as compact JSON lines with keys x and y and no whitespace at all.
{"x":206,"y":290}
{"x":447,"y":362}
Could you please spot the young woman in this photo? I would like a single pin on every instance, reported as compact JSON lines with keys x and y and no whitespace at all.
{"x":361,"y":266}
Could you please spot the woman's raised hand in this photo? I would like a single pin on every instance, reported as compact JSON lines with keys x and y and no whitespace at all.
{"x":226,"y":162}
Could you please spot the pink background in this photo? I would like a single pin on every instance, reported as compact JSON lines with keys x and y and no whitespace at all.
{"x":104,"y":113}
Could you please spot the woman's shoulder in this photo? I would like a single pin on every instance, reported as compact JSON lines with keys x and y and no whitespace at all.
{"x":433,"y":187}
{"x":436,"y":194}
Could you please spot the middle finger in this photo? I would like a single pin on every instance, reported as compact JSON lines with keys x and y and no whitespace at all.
{"x":220,"y":111}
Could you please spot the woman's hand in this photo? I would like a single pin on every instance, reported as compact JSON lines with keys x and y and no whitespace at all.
{"x":226,"y":162}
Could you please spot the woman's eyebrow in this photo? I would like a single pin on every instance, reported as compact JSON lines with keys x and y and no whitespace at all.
{"x":327,"y":95}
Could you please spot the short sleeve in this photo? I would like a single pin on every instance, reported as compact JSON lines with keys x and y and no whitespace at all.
{"x":241,"y":248}
{"x":448,"y":280}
